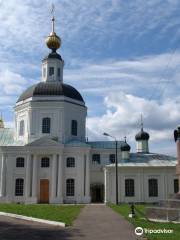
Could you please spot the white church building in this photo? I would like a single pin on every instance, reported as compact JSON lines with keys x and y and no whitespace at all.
{"x":46,"y":158}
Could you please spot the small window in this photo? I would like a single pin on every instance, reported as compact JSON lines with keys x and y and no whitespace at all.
{"x":96,"y":159}
{"x":129,"y":187}
{"x":21,"y":128}
{"x":176,"y":186}
{"x":46,"y":125}
{"x":112,"y":158}
{"x":153,"y":187}
{"x":19,"y":187}
{"x":51,"y":71}
{"x":45,"y":162}
{"x":20,"y":162}
{"x":70,"y":162}
{"x":70,"y":187}
{"x":44,"y":72}
{"x":58,"y":72}
{"x":74,"y":127}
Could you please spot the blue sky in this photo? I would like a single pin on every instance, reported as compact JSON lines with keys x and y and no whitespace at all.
{"x":123,"y":56}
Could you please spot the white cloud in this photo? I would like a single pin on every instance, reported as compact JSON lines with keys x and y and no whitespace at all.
{"x":148,"y":85}
{"x":157,"y":116}
{"x":91,"y":23}
{"x":11,"y":83}
{"x":122,"y":118}
{"x":155,"y":76}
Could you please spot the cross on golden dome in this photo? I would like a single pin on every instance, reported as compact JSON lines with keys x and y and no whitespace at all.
{"x":53,"y":41}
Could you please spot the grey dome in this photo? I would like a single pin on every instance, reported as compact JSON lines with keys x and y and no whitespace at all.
{"x":53,"y":55}
{"x":51,"y":89}
{"x":125,"y":147}
{"x":142,"y":135}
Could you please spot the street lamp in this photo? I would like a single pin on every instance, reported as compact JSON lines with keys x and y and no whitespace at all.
{"x":116,"y":164}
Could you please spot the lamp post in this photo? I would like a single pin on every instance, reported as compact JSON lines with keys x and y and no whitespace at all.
{"x":116,"y":164}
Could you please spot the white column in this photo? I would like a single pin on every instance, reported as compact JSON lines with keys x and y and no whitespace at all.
{"x":28,"y":176}
{"x":54,"y":176}
{"x":3,"y":177}
{"x":87,"y":177}
{"x":34,"y":177}
{"x":60,"y":179}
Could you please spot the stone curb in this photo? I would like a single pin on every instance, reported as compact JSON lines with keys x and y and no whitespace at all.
{"x":60,"y":224}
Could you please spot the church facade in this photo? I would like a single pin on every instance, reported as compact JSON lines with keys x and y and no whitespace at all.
{"x":46,"y":158}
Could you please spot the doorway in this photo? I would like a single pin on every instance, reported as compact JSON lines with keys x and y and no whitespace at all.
{"x":97,"y":193}
{"x":44,"y":191}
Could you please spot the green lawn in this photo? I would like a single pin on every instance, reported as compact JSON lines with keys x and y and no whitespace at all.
{"x":65,"y":213}
{"x":124,"y":210}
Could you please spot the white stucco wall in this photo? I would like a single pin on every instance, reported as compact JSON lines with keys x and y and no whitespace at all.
{"x":142,"y":146}
{"x":165,"y":176}
{"x":55,"y":63}
{"x":61,"y":113}
{"x":80,"y":173}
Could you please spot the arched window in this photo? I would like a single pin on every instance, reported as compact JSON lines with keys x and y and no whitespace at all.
{"x":153,"y":187}
{"x":96,"y":159}
{"x":20,"y":162}
{"x":112,"y":158}
{"x":21,"y":128}
{"x":129,"y":187}
{"x":51,"y":71}
{"x":74,"y":127}
{"x":46,"y":125}
{"x":70,"y":162}
{"x":176,"y":186}
{"x":58,"y":72}
{"x":19,"y":187}
{"x":70,"y":187}
{"x":45,"y":162}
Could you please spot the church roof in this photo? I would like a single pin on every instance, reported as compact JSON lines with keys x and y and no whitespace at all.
{"x":51,"y":89}
{"x":125,"y":146}
{"x":142,"y":135}
{"x":53,"y":55}
{"x":44,"y":142}
{"x":77,"y":143}
{"x":105,"y":144}
{"x":149,"y":160}
{"x":7,"y":138}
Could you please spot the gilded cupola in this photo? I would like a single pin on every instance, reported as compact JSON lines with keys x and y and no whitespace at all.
{"x":1,"y":122}
{"x":53,"y":41}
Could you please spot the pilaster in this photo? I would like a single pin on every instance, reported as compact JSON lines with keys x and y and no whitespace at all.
{"x":28,"y":176}
{"x":3,"y":177}
{"x":60,"y":179}
{"x":34,"y":178}
{"x":54,"y":178}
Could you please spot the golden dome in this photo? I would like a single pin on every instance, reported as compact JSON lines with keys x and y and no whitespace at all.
{"x":53,"y":41}
{"x":1,"y":123}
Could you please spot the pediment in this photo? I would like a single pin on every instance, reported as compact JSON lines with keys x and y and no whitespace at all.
{"x":44,"y":142}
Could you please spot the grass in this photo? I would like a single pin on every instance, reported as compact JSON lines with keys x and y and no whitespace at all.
{"x":65,"y":213}
{"x":124,"y":210}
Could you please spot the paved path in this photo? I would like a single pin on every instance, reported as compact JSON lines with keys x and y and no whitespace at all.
{"x":102,"y":223}
{"x":95,"y":222}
